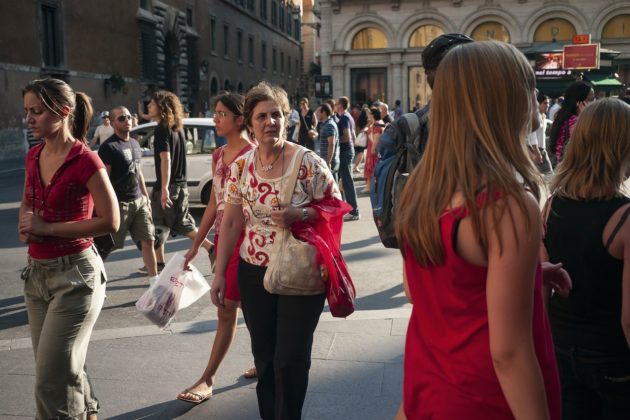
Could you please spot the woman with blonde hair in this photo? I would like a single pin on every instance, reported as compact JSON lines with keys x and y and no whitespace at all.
{"x":230,"y":123}
{"x":478,"y":342}
{"x":281,"y":326}
{"x":64,"y":281}
{"x":588,"y":233}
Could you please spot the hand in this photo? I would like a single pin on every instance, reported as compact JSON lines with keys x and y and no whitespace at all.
{"x":285,"y":216}
{"x":557,"y":278}
{"x":580,"y":106}
{"x":32,"y":224}
{"x":165,"y":200}
{"x":190,"y":255}
{"x":217,"y":290}
{"x":29,"y":238}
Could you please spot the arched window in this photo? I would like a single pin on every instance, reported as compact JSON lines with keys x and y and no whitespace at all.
{"x":227,"y":86}
{"x":369,"y":38}
{"x":556,"y":29}
{"x":617,"y":27}
{"x":240,"y":87}
{"x":423,"y":35}
{"x":214,"y":87}
{"x":491,"y":30}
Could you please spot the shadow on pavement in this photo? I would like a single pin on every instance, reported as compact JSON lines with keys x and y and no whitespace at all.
{"x":12,"y":315}
{"x":387,"y":299}
{"x":9,"y":231}
{"x":360,"y":244}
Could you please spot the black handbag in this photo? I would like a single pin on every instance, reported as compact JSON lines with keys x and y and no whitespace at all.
{"x":104,"y":245}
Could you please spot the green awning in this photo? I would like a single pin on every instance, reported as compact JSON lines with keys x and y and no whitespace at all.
{"x":602,"y":80}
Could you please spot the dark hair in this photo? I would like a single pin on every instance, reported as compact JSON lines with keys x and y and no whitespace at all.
{"x":576,"y":92}
{"x":376,"y":113}
{"x":265,"y":91}
{"x":344,"y":102}
{"x":55,"y":94}
{"x":362,"y":119}
{"x":433,"y":53}
{"x":170,"y":109}
{"x":541,"y":97}
{"x":232,"y":101}
{"x":326,"y":109}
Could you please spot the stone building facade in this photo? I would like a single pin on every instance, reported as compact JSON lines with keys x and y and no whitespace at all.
{"x":372,"y":49}
{"x":120,"y":51}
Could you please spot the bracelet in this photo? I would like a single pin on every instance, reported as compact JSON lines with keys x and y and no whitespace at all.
{"x":304,"y":214}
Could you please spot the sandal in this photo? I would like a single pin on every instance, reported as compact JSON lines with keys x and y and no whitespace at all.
{"x":250,"y":373}
{"x":198,"y":397}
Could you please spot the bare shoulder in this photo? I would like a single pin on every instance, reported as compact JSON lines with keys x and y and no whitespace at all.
{"x":516,"y":225}
{"x":621,"y":240}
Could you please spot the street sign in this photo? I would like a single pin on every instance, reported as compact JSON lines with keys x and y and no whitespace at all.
{"x":581,"y":39}
{"x":580,"y":57}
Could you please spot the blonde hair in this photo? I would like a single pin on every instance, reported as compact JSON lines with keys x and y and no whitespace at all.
{"x":476,"y":143}
{"x":171,"y":112}
{"x":598,"y":155}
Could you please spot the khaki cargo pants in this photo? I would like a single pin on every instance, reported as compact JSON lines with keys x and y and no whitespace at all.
{"x":63,"y":297}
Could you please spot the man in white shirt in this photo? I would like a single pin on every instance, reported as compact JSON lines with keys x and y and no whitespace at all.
{"x":103,"y":131}
{"x":555,"y":107}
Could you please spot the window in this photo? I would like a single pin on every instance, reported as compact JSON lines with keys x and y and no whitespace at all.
{"x":491,"y":31}
{"x":239,"y":45}
{"x":297,"y":65}
{"x":250,"y":5}
{"x":369,"y":38}
{"x":193,"y":63}
{"x":52,"y":36}
{"x":423,"y":36}
{"x":617,"y":27}
{"x":554,"y":30}
{"x":263,"y":9}
{"x":213,"y":34}
{"x":263,"y":53}
{"x":274,"y":13}
{"x":274,"y":61}
{"x":148,"y":51}
{"x":281,"y":62}
{"x":144,"y":4}
{"x":226,"y":40}
{"x":250,"y":42}
{"x":189,"y":16}
{"x":289,"y":65}
{"x":297,"y":29}
{"x":281,"y":18}
{"x":289,"y":22}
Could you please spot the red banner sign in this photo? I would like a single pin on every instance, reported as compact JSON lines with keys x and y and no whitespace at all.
{"x":582,"y":39}
{"x":580,"y":57}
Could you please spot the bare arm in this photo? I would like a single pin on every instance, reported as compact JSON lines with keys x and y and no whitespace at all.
{"x":106,"y":221}
{"x":165,"y":171}
{"x":141,"y":114}
{"x":331,"y":150}
{"x":142,"y":185}
{"x":510,"y":295}
{"x":345,"y":135}
{"x":24,"y":208}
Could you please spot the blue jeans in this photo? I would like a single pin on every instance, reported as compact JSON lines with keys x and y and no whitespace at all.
{"x":346,"y":156}
{"x":595,"y":385}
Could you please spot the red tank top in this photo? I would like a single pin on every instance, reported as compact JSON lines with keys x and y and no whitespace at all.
{"x":448,"y":370}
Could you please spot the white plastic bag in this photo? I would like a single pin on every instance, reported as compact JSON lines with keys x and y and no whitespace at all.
{"x":174,"y":289}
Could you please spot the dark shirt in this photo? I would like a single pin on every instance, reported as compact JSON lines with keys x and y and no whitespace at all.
{"x":590,"y":318}
{"x":346,"y":122}
{"x":124,"y":159}
{"x":172,"y":141}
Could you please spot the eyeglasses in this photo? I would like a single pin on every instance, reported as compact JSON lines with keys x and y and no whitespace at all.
{"x":124,"y":117}
{"x":222,"y":114}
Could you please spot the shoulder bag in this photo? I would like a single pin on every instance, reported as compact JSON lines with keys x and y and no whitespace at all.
{"x":293,"y":267}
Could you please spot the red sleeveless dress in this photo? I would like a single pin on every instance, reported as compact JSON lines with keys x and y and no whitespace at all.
{"x":448,"y":370}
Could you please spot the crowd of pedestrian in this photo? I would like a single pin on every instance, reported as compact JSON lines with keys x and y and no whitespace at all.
{"x":517,"y":312}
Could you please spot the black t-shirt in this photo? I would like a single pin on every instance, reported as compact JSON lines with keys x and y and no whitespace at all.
{"x":124,"y":159}
{"x":172,"y":141}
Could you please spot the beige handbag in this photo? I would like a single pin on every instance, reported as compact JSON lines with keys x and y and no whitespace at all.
{"x":293,"y":268}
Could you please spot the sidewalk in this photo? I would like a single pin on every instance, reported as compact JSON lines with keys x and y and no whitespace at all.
{"x":356,"y":371}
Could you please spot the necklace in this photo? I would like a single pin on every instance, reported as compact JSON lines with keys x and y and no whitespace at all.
{"x":267,"y":168}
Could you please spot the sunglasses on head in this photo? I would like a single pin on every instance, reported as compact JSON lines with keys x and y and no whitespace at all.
{"x":122,"y":118}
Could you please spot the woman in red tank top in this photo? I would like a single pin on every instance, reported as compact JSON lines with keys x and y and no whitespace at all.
{"x":229,"y":120}
{"x":478,"y":343}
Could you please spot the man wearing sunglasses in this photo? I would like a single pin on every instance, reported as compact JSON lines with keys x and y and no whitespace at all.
{"x":121,"y":155}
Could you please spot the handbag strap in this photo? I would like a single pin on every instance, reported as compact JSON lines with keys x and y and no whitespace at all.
{"x":290,"y":186}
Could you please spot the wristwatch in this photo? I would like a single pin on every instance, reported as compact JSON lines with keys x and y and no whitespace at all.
{"x":304,"y":214}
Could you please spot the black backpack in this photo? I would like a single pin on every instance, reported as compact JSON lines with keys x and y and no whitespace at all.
{"x":400,"y":147}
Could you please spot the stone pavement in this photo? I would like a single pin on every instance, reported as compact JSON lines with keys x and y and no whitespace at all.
{"x":356,"y":371}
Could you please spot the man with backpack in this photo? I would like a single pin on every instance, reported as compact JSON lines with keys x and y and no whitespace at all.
{"x":402,"y":143}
